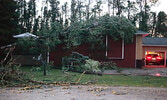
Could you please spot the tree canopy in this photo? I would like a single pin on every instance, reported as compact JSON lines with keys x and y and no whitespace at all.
{"x":94,"y":30}
{"x":8,"y":21}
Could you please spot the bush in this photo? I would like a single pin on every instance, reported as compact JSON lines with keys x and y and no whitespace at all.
{"x":92,"y":66}
{"x":78,"y":62}
{"x":108,"y":66}
{"x":75,"y":59}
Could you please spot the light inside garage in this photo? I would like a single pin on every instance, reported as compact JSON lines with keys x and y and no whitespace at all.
{"x":154,"y":58}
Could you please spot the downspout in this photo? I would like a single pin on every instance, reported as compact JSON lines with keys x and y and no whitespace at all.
{"x":123,"y":47}
{"x":48,"y":55}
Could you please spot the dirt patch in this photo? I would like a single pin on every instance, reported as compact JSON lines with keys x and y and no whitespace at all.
{"x":84,"y":93}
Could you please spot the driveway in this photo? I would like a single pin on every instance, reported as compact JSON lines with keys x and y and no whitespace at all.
{"x":84,"y":93}
{"x":144,"y":71}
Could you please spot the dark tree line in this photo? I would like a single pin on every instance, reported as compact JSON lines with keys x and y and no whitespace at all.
{"x":137,"y":11}
{"x":8,"y":21}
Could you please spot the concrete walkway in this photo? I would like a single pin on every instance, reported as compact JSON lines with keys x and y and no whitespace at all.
{"x":145,"y":71}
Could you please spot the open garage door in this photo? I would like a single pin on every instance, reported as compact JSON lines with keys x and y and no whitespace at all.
{"x":154,"y":59}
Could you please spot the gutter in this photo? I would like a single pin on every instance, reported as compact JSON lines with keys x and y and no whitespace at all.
{"x":155,"y":45}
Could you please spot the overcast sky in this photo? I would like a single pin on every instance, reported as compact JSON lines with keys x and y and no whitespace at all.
{"x":160,"y":6}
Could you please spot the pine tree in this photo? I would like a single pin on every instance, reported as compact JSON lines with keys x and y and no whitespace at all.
{"x":73,"y":11}
{"x":161,"y":27}
{"x":55,"y":14}
{"x":8,"y":21}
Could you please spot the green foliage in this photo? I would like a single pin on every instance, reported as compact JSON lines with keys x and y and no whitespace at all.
{"x":92,"y":66}
{"x":47,"y":41}
{"x":8,"y":21}
{"x":108,"y":66}
{"x":47,"y":38}
{"x":12,"y":76}
{"x":117,"y":28}
{"x":144,"y":17}
{"x":93,"y":31}
{"x":27,"y":46}
{"x":80,"y":63}
{"x":54,"y":4}
{"x":69,"y":62}
{"x":161,"y":26}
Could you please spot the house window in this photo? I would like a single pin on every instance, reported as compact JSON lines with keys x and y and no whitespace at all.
{"x":115,"y":49}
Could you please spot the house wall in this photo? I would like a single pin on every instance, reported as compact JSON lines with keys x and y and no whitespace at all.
{"x":98,"y":53}
{"x":26,"y":60}
{"x":129,"y":60}
{"x":139,"y":51}
{"x":115,"y":49}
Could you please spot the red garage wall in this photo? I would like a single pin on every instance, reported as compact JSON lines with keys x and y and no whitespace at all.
{"x":99,"y":54}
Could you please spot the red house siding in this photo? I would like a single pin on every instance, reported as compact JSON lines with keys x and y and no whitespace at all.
{"x":99,"y":54}
{"x":129,"y":56}
{"x":114,"y":48}
{"x":56,"y":56}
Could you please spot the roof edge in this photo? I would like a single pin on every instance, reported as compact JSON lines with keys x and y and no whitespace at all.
{"x":138,"y":32}
{"x":155,"y":45}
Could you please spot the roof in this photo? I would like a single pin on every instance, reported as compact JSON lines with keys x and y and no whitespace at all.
{"x":141,"y":32}
{"x":25,"y":35}
{"x":155,"y":41}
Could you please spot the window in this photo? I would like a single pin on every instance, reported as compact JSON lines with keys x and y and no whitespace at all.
{"x":115,"y":49}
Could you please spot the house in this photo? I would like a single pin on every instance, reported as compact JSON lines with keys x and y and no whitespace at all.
{"x":131,"y":55}
{"x":124,"y":55}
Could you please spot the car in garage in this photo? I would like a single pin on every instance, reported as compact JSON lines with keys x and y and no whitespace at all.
{"x":153,"y":59}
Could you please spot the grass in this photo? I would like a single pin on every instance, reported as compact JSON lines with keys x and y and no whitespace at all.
{"x":110,"y":80}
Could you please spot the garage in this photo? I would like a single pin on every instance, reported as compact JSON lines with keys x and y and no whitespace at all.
{"x":154,"y":52}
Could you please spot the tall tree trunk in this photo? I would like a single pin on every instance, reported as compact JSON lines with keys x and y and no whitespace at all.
{"x":87,"y":10}
{"x":113,"y":7}
{"x":109,"y":7}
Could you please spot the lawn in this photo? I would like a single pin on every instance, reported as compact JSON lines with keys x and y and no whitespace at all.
{"x":110,"y":80}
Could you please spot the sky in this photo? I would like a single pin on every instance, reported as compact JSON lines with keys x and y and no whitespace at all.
{"x":160,"y":6}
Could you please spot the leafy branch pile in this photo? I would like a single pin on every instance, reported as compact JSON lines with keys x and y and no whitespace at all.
{"x":75,"y":59}
{"x":10,"y":75}
{"x":109,"y":66}
{"x":78,"y":62}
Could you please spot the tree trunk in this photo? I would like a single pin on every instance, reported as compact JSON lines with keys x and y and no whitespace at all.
{"x":44,"y":69}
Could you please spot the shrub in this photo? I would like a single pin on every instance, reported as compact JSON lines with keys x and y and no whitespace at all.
{"x":78,"y":62}
{"x":75,"y":59}
{"x":108,"y":66}
{"x":92,"y":66}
